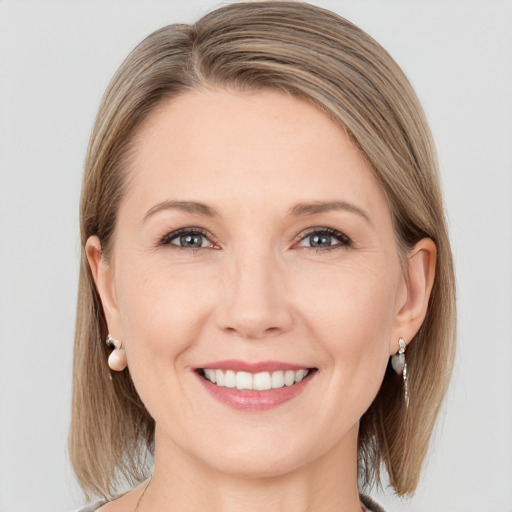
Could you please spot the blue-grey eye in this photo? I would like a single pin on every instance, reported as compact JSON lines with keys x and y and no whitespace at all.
{"x":323,"y":239}
{"x":320,"y":240}
{"x":190,"y":240}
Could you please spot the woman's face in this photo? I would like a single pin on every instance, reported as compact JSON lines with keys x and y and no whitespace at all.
{"x":253,"y":242}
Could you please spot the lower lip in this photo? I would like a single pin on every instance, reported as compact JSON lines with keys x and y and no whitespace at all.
{"x":255,"y":400}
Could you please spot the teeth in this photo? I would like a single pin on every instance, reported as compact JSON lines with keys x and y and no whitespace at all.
{"x":243,"y":380}
{"x":262,"y":381}
{"x":220,"y":379}
{"x":210,"y":375}
{"x":231,"y":380}
{"x":258,"y":382}
{"x":300,"y":375}
{"x":289,"y":378}
{"x":277,"y":380}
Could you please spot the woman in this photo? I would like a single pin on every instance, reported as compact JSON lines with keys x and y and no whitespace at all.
{"x":265,"y":255}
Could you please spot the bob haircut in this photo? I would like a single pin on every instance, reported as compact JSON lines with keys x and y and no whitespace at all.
{"x":321,"y":58}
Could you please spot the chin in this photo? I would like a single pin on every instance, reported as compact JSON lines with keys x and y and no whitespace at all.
{"x":261,"y":457}
{"x":254,"y":467}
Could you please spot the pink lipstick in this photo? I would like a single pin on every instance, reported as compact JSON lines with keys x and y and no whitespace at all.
{"x":254,"y":386}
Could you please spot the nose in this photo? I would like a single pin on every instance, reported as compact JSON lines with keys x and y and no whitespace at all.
{"x":254,"y":300}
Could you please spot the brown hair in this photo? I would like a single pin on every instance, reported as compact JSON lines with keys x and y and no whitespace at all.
{"x":316,"y":55}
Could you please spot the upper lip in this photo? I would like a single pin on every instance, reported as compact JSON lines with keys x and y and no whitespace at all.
{"x":251,"y":367}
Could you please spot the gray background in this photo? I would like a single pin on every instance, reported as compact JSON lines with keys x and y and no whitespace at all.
{"x":56,"y":58}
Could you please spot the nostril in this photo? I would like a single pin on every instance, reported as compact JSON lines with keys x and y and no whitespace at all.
{"x":248,"y":331}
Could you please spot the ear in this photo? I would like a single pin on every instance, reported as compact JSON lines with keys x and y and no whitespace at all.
{"x":103,"y":276}
{"x":419,"y":279}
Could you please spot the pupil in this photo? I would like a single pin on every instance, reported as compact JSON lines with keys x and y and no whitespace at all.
{"x":191,"y":240}
{"x":320,"y":240}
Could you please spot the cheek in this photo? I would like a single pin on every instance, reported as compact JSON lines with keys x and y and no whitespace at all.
{"x":161,"y":310}
{"x":351,"y":313}
{"x":162,"y":314}
{"x":355,"y":306}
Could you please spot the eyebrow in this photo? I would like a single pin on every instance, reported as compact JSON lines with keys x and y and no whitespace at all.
{"x":303,"y":209}
{"x":185,"y":206}
{"x":299,"y":210}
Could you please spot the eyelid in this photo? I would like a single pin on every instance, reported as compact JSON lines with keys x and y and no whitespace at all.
{"x":165,"y":240}
{"x":168,"y":237}
{"x":345,"y":241}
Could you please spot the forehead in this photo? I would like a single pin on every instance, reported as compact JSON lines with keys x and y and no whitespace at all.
{"x":267,"y":146}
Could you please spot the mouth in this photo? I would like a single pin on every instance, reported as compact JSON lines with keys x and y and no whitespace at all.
{"x":254,"y":387}
{"x":261,"y":381}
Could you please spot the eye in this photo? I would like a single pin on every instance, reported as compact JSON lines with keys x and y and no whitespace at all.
{"x":187,"y":239}
{"x":324,"y":238}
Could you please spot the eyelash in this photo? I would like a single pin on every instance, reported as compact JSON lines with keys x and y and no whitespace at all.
{"x":344,"y":241}
{"x":167,"y":239}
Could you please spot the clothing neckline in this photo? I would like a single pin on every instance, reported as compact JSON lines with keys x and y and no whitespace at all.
{"x":368,"y":502}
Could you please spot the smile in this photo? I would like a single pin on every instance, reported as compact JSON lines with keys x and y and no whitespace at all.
{"x":262,"y":381}
{"x":254,"y":386}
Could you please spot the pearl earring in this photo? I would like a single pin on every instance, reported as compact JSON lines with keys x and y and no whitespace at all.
{"x":400,"y":366}
{"x":117,"y":358}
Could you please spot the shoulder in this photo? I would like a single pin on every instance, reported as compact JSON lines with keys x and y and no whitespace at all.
{"x":125,"y":502}
{"x":91,"y":507}
{"x":100,"y":506}
{"x":104,"y":506}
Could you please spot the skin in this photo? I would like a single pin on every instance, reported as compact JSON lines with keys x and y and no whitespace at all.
{"x":257,"y":290}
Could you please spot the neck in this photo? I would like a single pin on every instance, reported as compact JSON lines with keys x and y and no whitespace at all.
{"x":183,"y":482}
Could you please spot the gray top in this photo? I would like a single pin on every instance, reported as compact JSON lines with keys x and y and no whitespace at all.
{"x":91,"y":507}
{"x":365,"y":500}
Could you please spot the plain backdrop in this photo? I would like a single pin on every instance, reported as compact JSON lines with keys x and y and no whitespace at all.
{"x":56,"y":58}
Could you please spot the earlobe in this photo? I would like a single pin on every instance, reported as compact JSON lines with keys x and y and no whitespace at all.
{"x":421,"y":267}
{"x":104,"y":281}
